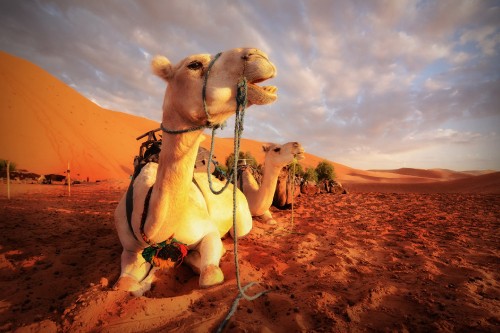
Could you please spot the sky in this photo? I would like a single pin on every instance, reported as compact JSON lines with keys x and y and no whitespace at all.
{"x":369,"y":84}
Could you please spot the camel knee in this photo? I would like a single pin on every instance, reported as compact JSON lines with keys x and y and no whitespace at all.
{"x":210,"y":250}
{"x":134,"y":266}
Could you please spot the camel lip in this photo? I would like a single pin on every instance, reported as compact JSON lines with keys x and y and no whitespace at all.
{"x":267,"y":90}
{"x":300,"y":156}
{"x":258,"y":80}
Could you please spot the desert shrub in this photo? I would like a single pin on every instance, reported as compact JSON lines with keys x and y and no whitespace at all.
{"x":325,"y":171}
{"x":299,"y":170}
{"x":250,"y":160}
{"x":3,"y":166}
{"x":310,"y":175}
{"x":223,"y":168}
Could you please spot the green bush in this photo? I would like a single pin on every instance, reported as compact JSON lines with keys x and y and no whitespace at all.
{"x":299,"y":170}
{"x":310,"y":175}
{"x":325,"y":171}
{"x":250,"y":160}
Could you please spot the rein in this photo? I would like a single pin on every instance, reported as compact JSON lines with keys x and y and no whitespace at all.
{"x":241,"y":104}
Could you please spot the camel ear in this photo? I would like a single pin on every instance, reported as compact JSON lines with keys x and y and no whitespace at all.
{"x":162,"y":67}
{"x":266,"y":148}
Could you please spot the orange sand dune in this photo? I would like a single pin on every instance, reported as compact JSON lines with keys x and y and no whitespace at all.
{"x":44,"y":124}
{"x":488,"y":183}
{"x":442,"y":174}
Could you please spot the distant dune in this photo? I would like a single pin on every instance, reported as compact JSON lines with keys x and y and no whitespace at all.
{"x":44,"y":124}
{"x":438,"y":174}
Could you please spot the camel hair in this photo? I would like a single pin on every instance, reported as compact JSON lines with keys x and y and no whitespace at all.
{"x":260,"y":198}
{"x":201,"y":90}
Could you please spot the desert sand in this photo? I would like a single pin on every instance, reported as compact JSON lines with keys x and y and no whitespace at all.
{"x":358,"y":262}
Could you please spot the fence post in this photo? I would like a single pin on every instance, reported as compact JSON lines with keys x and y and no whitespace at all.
{"x":68,"y":177}
{"x":8,"y":180}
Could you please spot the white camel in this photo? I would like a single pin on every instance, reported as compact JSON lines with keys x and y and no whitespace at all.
{"x":201,"y":90}
{"x":260,"y":198}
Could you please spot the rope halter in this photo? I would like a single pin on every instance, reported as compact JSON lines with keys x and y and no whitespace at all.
{"x":208,"y":124}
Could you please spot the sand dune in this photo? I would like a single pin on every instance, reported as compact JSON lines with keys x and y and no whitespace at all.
{"x":45,"y":124}
{"x":439,"y":174}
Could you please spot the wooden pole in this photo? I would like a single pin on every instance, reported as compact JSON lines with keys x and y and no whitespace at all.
{"x":68,"y":177}
{"x":8,"y":180}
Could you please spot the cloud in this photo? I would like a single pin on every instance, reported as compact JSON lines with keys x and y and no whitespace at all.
{"x":486,"y":38}
{"x":443,"y":135}
{"x":433,"y":84}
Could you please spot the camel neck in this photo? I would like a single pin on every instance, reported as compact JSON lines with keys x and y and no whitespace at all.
{"x":265,"y":193}
{"x":174,"y":178}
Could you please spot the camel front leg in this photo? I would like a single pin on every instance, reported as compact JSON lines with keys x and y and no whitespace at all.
{"x":210,"y":250}
{"x":136,"y":274}
{"x":193,"y":260}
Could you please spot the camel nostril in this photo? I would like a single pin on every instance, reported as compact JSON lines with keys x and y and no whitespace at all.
{"x":253,"y":52}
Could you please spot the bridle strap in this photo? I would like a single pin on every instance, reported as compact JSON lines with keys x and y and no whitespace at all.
{"x":204,"y":90}
{"x":203,"y":97}
{"x":187,"y":130}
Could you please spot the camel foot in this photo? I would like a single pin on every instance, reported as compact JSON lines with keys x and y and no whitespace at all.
{"x":211,"y":276}
{"x":127,"y":283}
{"x":271,"y":222}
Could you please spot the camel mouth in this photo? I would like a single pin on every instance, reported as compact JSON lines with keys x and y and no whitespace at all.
{"x":300,"y":156}
{"x":261,"y":95}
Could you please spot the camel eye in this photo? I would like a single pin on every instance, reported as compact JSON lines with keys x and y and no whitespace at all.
{"x":277,"y":149}
{"x":194,"y":65}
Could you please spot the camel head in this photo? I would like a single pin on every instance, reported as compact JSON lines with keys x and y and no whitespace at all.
{"x":280,"y":155}
{"x":183,"y":103}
